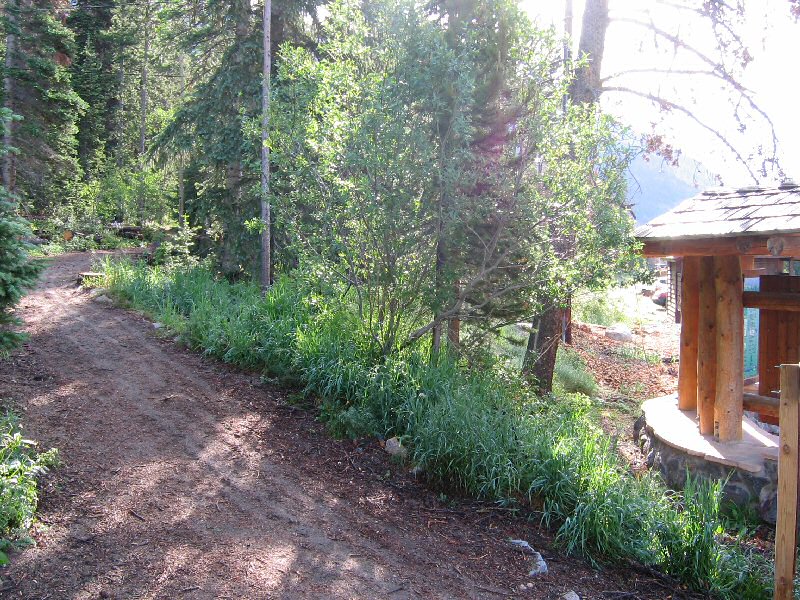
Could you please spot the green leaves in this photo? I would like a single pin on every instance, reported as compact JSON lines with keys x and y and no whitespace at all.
{"x":432,"y":167}
{"x":17,"y":272}
{"x":20,"y":465}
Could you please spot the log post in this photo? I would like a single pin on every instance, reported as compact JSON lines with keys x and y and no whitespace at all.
{"x":728,"y":404}
{"x":706,"y":346}
{"x":786,"y":527}
{"x":687,"y":368}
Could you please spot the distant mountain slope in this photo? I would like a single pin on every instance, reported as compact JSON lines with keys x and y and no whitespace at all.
{"x":655,"y":187}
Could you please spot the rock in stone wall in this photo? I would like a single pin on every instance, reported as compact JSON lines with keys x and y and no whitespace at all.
{"x":744,"y":488}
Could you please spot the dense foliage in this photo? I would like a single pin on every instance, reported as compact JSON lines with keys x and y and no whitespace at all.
{"x":17,"y":272}
{"x":434,"y":180}
{"x":440,"y":185}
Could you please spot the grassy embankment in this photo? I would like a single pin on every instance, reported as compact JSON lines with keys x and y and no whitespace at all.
{"x":478,"y":431}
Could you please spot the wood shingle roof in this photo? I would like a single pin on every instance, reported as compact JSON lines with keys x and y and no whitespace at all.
{"x":729,"y":213}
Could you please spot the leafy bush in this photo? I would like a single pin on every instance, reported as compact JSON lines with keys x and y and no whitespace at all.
{"x":119,"y":196}
{"x":599,"y":309}
{"x":20,"y":465}
{"x":176,"y":250}
{"x":82,"y":243}
{"x":478,"y":431}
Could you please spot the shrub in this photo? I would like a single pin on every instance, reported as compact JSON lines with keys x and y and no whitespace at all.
{"x":599,"y":309}
{"x":20,"y":465}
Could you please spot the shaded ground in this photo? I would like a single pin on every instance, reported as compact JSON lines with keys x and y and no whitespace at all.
{"x":628,"y":371}
{"x":182,"y":478}
{"x":628,"y":374}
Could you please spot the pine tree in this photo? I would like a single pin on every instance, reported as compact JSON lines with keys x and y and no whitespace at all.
{"x":17,"y":272}
{"x":96,"y":79}
{"x":216,"y":126}
{"x":39,"y":89}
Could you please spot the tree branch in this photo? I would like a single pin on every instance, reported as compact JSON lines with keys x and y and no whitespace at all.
{"x":677,"y":107}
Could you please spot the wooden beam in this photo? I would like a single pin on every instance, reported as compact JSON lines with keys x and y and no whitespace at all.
{"x":730,"y":349}
{"x":687,"y":368}
{"x":764,"y":405}
{"x":756,"y":245}
{"x":786,"y":527}
{"x":783,"y":301}
{"x":706,"y":346}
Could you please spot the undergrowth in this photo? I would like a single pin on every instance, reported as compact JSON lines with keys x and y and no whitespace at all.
{"x":83,"y":244}
{"x":478,"y":431}
{"x":600,"y":309}
{"x":20,"y":465}
{"x":571,"y":374}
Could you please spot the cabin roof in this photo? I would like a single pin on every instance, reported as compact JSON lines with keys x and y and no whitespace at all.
{"x":721,"y":212}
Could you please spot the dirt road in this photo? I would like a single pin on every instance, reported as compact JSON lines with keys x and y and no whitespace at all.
{"x":182,"y":478}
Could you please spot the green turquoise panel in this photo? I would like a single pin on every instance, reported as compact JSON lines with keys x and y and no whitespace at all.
{"x":751,"y":333}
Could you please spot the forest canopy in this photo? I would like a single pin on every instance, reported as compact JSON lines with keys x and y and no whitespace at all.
{"x":425,"y":158}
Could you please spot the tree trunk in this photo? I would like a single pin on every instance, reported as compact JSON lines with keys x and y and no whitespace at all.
{"x":181,"y":158}
{"x":8,"y":90}
{"x":586,"y":86}
{"x":436,"y":332}
{"x":120,"y":116}
{"x":454,"y":326}
{"x":229,"y":260}
{"x":540,"y":354}
{"x":266,"y":209}
{"x":143,"y":105}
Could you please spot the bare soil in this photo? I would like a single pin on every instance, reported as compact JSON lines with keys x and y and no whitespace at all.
{"x":183,"y":478}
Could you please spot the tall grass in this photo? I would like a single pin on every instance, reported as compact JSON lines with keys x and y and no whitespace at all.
{"x":571,"y":374}
{"x":478,"y":431}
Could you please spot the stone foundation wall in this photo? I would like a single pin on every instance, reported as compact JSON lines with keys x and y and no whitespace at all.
{"x":744,"y":488}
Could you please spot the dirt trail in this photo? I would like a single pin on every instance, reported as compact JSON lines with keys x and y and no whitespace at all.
{"x":182,"y":478}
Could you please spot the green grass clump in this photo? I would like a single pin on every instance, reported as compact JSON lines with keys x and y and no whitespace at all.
{"x":479,"y":431}
{"x":636,"y":353}
{"x":572,"y":375}
{"x":20,"y":465}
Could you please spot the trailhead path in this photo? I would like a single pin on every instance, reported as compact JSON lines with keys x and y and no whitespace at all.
{"x":183,"y":478}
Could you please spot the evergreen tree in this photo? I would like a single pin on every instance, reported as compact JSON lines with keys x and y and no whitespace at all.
{"x":17,"y":272}
{"x":39,"y":89}
{"x":218,"y":125}
{"x":96,"y":79}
